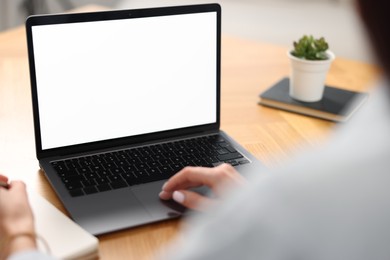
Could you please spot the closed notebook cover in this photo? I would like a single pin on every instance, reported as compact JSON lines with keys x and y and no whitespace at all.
{"x":65,"y":238}
{"x":338,"y":102}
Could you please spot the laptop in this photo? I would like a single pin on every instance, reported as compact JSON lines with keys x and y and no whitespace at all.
{"x":122,"y":101}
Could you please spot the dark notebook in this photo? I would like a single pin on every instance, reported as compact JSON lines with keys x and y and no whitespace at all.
{"x":336,"y":105}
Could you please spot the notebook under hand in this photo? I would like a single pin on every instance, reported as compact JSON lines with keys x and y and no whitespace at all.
{"x":123,"y":100}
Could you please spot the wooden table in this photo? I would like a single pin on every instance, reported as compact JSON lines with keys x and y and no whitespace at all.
{"x":248,"y":68}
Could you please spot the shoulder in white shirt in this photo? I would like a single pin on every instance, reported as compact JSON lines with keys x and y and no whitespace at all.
{"x":328,"y":203}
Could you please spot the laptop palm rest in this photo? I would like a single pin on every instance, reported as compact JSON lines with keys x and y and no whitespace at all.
{"x":109,"y":211}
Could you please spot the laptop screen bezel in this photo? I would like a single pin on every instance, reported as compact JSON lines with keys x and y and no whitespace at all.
{"x":117,"y":15}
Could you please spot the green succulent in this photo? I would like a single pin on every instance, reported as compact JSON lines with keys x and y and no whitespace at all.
{"x":309,"y":48}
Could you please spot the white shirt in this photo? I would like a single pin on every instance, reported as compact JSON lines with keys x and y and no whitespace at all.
{"x":330,"y":203}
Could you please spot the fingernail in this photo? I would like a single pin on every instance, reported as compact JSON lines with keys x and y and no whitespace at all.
{"x":178,"y":197}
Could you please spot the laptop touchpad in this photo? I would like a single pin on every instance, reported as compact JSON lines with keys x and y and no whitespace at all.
{"x":147,"y":194}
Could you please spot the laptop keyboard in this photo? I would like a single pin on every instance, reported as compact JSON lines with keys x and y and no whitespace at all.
{"x":123,"y":168}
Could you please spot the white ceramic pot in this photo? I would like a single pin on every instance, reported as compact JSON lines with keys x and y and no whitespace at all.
{"x":307,"y":80}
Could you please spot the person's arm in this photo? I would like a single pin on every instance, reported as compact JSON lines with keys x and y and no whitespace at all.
{"x":17,"y":233}
{"x":29,"y":255}
{"x":17,"y":222}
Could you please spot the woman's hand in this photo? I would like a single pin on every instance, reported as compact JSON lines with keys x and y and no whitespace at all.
{"x":218,"y":179}
{"x":16,"y":217}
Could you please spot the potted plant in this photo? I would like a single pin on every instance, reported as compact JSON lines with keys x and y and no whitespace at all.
{"x":310,"y":62}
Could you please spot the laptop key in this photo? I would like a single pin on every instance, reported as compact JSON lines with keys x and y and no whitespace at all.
{"x":109,"y":166}
{"x":166,"y":170}
{"x":154,"y":164}
{"x":176,"y":167}
{"x":88,"y":183}
{"x":243,"y":162}
{"x":187,"y":163}
{"x":90,"y":190}
{"x":164,"y":162}
{"x":155,"y":177}
{"x":122,"y":163}
{"x":176,"y":160}
{"x":230,"y":156}
{"x":129,"y":168}
{"x":76,"y":192}
{"x":231,"y":149}
{"x":115,"y":178}
{"x":224,"y":144}
{"x":67,"y":173}
{"x":153,"y":172}
{"x":83,"y":170}
{"x":232,"y":162}
{"x":115,"y":171}
{"x":103,"y":173}
{"x":71,"y":166}
{"x":96,"y":168}
{"x":73,"y":179}
{"x":73,"y":186}
{"x":212,"y":159}
{"x":132,"y":160}
{"x":199,"y":162}
{"x":59,"y":166}
{"x":146,"y":176}
{"x":102,"y":180}
{"x":141,"y":166}
{"x":118,"y":184}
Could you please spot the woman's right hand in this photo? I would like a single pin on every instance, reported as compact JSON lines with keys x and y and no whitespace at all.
{"x":218,"y":179}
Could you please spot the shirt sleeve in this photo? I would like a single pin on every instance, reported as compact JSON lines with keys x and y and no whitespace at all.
{"x":250,"y":226}
{"x":328,"y":203}
{"x":31,"y":254}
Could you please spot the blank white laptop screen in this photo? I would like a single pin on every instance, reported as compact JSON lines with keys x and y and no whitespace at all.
{"x":110,"y":79}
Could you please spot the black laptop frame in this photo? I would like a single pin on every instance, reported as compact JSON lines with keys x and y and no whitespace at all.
{"x":116,"y":15}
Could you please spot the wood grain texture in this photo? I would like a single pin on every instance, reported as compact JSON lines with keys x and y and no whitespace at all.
{"x":248,"y":68}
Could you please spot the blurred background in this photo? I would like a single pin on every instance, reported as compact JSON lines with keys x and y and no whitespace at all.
{"x":274,"y":21}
